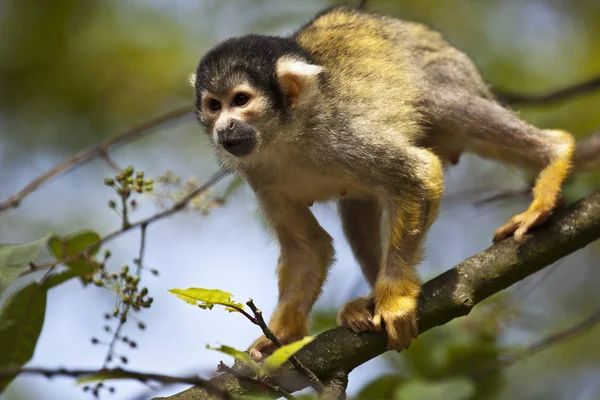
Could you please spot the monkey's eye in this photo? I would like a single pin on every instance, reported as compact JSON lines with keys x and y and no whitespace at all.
{"x":240,"y":99}
{"x":214,"y":105}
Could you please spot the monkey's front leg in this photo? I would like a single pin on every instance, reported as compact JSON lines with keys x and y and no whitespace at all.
{"x":397,"y":286}
{"x":306,"y":254}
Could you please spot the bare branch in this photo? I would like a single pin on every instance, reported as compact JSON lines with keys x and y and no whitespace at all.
{"x":119,"y":373}
{"x":101,"y":150}
{"x":448,"y":296}
{"x":315,"y":383}
{"x":178,"y":206}
{"x":534,"y":348}
{"x":587,"y":154}
{"x":551,"y":97}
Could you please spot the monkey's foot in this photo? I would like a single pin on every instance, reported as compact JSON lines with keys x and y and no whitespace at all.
{"x":396,"y":308}
{"x":264,"y":346}
{"x":520,"y":224}
{"x":357,"y":315}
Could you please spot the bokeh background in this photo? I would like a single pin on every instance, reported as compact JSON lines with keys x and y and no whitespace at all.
{"x":74,"y":73}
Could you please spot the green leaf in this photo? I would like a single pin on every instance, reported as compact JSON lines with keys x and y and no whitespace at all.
{"x":21,"y":321}
{"x":283,"y":353}
{"x":239,"y":356}
{"x":447,"y":389}
{"x":59,"y":278}
{"x":64,"y":247}
{"x":206,"y":298}
{"x":15,"y":258}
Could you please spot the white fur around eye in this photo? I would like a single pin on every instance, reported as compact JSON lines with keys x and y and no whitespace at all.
{"x":291,"y":66}
{"x":192,"y":79}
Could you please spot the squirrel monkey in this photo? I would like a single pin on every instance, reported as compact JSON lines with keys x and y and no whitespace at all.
{"x":366,"y":110}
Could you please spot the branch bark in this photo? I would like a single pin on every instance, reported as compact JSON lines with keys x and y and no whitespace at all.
{"x":450,"y":295}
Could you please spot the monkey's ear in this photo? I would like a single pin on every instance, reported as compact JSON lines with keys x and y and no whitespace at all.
{"x":297,"y":78}
{"x":192,"y":79}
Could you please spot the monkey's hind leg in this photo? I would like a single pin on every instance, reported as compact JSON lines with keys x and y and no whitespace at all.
{"x":495,"y":132}
{"x":361,"y":220}
{"x":545,"y":192}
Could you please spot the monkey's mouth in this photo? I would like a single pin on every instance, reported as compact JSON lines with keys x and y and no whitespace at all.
{"x":238,"y":146}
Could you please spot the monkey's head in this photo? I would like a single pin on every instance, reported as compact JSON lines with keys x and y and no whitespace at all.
{"x":248,"y":90}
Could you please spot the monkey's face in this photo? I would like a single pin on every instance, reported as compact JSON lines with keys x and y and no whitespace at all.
{"x":234,"y":118}
{"x":251,"y":93}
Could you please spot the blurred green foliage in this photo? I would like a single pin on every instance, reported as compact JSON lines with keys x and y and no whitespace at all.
{"x":72,"y":70}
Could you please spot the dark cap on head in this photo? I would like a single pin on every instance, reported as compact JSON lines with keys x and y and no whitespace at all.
{"x":249,"y":58}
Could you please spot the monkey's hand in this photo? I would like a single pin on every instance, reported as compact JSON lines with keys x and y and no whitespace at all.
{"x":357,"y":314}
{"x":288,"y":328}
{"x":396,"y":308}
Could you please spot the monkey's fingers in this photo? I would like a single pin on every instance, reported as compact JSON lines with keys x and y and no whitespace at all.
{"x":401,"y":332}
{"x":357,"y":315}
{"x":401,"y":327}
{"x":520,"y":224}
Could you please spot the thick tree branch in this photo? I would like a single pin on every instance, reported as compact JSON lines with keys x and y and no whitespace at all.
{"x":335,"y":387}
{"x":450,"y":295}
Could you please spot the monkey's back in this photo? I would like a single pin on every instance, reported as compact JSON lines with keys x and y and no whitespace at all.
{"x":381,"y":67}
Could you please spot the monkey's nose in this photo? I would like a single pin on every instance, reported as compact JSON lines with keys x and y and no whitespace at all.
{"x":237,"y":137}
{"x":238,"y":146}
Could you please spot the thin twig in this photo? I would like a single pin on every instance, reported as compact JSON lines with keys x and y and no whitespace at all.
{"x":549,"y":97}
{"x":244,"y":313}
{"x":116,"y":336}
{"x":118,"y":373}
{"x":178,"y":206}
{"x":124,"y":210}
{"x":504,"y":194}
{"x":260,"y":321}
{"x":362,"y":5}
{"x":222,"y":367}
{"x":315,"y":383}
{"x":123,"y":319}
{"x":140,"y":258}
{"x":536,"y":347}
{"x":587,"y":154}
{"x":89,"y":154}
